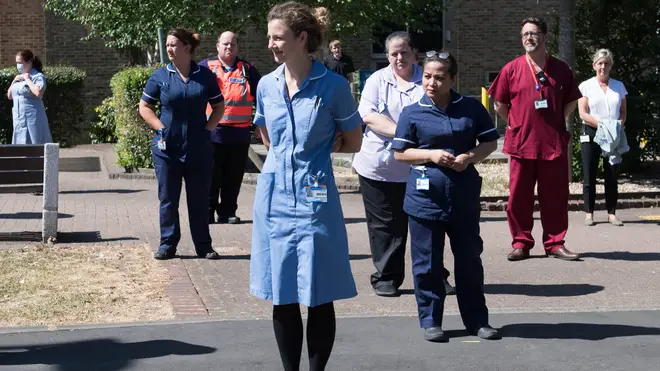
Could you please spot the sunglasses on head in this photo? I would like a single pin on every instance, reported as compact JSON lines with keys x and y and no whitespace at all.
{"x":433,"y":53}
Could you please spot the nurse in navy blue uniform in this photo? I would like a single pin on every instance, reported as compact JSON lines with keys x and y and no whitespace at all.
{"x":438,"y":136}
{"x":181,"y":148}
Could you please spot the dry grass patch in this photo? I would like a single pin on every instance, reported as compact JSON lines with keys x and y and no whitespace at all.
{"x":53,"y":285}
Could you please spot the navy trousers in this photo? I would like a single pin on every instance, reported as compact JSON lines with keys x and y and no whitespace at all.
{"x":427,"y":243}
{"x":197,"y":174}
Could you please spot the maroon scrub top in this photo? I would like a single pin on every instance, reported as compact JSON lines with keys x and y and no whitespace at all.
{"x":532,"y":133}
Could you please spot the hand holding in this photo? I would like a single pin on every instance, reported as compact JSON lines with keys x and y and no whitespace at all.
{"x":442,"y":158}
{"x":26,"y":76}
{"x":460,"y":162}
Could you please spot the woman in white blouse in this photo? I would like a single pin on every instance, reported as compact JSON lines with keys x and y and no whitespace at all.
{"x":603,"y":99}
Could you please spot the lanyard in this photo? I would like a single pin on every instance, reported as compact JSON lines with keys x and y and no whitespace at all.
{"x":537,"y":85}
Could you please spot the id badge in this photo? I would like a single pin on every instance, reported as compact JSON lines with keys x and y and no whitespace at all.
{"x":584,"y":139}
{"x":542,"y":103}
{"x":317,"y":193}
{"x":423,"y":183}
{"x":161,"y":145}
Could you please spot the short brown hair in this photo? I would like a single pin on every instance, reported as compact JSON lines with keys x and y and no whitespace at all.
{"x":540,"y":23}
{"x":187,"y":37}
{"x":299,"y":17}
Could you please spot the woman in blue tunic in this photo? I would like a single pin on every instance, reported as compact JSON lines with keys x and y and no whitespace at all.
{"x":28,"y":112}
{"x":299,"y":243}
{"x":181,"y":148}
{"x":438,"y":136}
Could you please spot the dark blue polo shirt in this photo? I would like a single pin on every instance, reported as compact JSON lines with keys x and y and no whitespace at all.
{"x":229,"y":134}
{"x":183,"y":110}
{"x":456,"y":130}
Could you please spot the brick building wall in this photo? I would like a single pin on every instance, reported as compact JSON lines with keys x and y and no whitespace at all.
{"x":21,"y":27}
{"x":484,"y":35}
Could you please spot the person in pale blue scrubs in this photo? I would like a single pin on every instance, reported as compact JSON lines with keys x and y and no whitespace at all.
{"x":299,"y":243}
{"x":27,"y":90}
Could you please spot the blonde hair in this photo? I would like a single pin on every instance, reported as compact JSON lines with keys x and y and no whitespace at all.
{"x":602,"y":53}
{"x":299,"y":17}
{"x":333,"y":43}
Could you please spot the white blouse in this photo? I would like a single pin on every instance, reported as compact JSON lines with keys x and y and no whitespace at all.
{"x":604,"y":105}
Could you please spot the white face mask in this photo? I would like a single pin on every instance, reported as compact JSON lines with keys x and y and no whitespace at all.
{"x":19,"y":66}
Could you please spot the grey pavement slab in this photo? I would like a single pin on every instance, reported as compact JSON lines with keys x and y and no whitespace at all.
{"x":569,"y":341}
{"x":620,"y":270}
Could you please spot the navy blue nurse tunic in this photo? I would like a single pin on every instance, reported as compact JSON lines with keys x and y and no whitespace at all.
{"x":188,"y":150}
{"x":450,"y":206}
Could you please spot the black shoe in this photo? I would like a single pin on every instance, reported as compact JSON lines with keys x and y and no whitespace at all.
{"x":435,"y":334}
{"x":163,"y":254}
{"x":211,"y":217}
{"x":223,"y":220}
{"x":212,"y":256}
{"x":234,"y":220}
{"x":387,"y":291}
{"x":449,"y":289}
{"x":487,"y":333}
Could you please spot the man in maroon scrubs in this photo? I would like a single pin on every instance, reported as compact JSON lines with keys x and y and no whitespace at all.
{"x":534,"y":94}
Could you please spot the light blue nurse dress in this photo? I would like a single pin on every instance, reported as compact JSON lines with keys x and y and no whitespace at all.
{"x":29,"y":113}
{"x":299,"y":247}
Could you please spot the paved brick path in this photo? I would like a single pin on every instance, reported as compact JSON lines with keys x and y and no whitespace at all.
{"x":620,"y":270}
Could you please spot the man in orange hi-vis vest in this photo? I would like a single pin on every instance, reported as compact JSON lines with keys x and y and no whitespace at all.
{"x":231,"y":139}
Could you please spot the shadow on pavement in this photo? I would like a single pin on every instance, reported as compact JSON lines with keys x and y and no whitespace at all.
{"x":624,"y":255}
{"x":354,"y":220}
{"x":32,"y":215}
{"x":557,"y":290}
{"x":359,"y":256}
{"x":581,"y":331}
{"x":89,"y":191}
{"x":88,"y":237}
{"x":97,"y":354}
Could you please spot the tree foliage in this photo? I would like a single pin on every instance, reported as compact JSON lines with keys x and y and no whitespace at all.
{"x":126,"y":24}
{"x":631,"y":30}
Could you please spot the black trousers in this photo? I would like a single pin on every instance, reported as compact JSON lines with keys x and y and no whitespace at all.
{"x":387,"y":225}
{"x":228,"y":170}
{"x":591,"y":155}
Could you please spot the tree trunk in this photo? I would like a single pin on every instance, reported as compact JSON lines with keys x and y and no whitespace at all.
{"x":567,"y":54}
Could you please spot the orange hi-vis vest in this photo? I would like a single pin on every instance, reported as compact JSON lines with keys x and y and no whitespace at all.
{"x":235,"y":88}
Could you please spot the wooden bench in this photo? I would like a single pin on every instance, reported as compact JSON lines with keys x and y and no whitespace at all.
{"x":33,"y":169}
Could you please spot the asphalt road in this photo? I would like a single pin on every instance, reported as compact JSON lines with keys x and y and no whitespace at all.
{"x":572,"y":341}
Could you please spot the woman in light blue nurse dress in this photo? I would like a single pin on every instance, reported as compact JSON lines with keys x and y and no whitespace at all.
{"x":299,"y":243}
{"x":28,"y":111}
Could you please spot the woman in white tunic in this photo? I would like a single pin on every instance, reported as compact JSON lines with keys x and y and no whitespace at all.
{"x":28,"y":112}
{"x":603,"y":99}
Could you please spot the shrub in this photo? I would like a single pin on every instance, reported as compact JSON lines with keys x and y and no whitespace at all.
{"x":133,"y":134}
{"x":103,"y":129}
{"x":64,"y":100}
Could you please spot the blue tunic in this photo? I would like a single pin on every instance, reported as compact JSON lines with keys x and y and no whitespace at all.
{"x":183,"y":110}
{"x":300,"y":248}
{"x":456,"y":130}
{"x":29,"y":113}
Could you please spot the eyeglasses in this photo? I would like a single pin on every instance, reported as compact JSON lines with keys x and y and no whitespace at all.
{"x":433,"y":53}
{"x":528,"y":34}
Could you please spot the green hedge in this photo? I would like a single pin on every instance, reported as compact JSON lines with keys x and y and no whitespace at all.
{"x":133,"y":134}
{"x":103,"y":129}
{"x":64,"y":100}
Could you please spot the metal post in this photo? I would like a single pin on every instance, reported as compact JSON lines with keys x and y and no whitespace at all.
{"x":161,"y":45}
{"x":51,"y":192}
